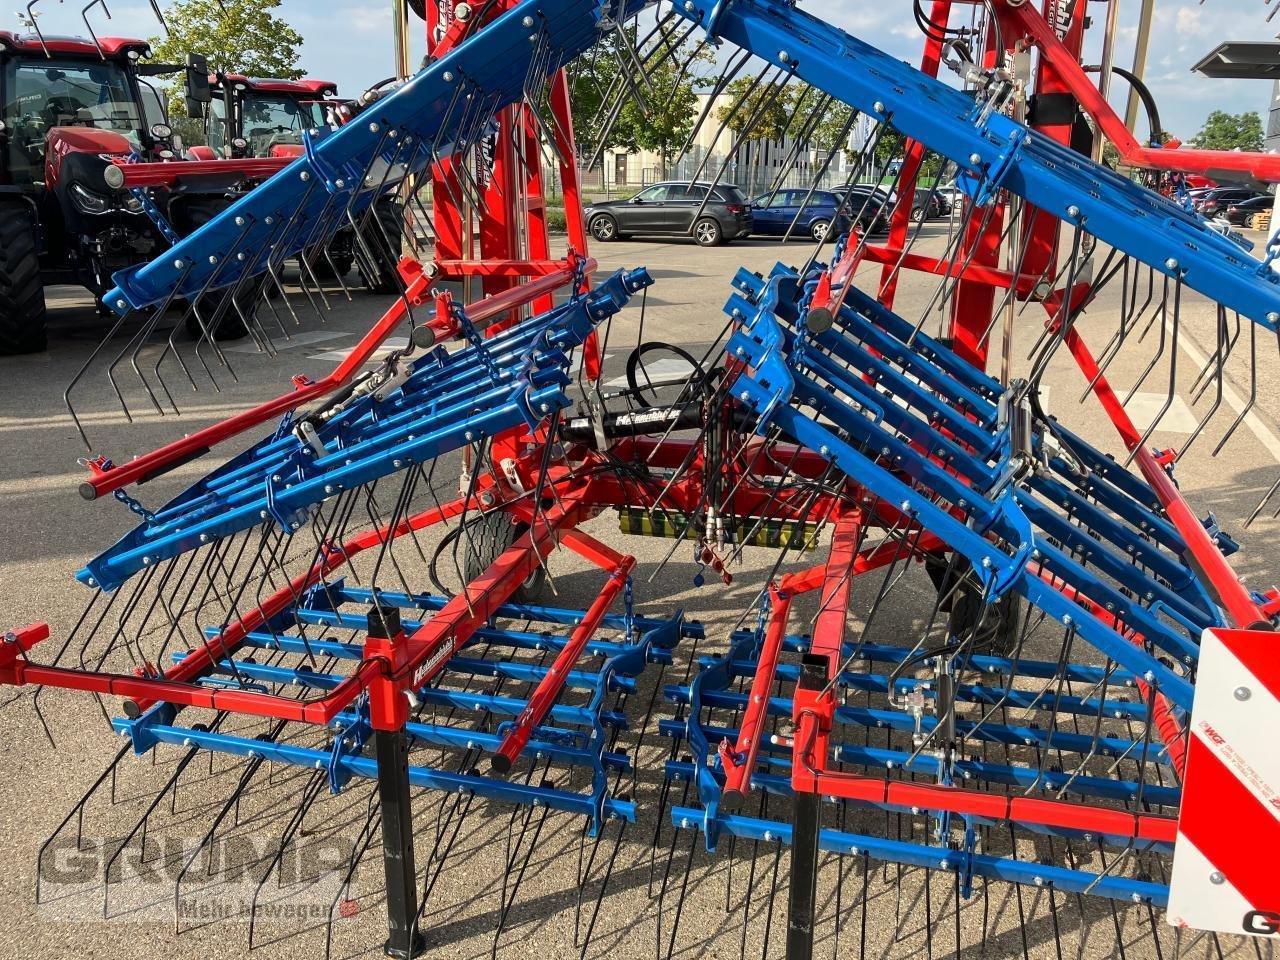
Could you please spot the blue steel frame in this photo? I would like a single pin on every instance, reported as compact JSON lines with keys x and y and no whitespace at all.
{"x":576,"y":737}
{"x":931,"y":429}
{"x":448,"y":400}
{"x":993,"y":151}
{"x":345,"y":170}
{"x":711,"y":690}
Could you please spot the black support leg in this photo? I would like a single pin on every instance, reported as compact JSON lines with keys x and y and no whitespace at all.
{"x":805,"y":824}
{"x":404,"y":940}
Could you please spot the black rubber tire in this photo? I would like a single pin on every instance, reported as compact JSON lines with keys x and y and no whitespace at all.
{"x":1001,"y":625}
{"x":490,"y":536}
{"x":229,"y":326}
{"x":603,"y":228}
{"x":22,"y":310}
{"x":918,"y":215}
{"x":383,"y":276}
{"x":820,"y":230}
{"x":707,"y":232}
{"x":341,"y":251}
{"x":419,"y":7}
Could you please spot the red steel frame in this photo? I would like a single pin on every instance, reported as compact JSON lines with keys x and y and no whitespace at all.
{"x":514,"y":201}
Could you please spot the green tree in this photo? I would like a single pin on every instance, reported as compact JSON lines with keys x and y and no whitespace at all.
{"x":235,"y":36}
{"x":764,"y":103}
{"x":832,"y":132}
{"x":664,"y":121}
{"x":1230,"y":131}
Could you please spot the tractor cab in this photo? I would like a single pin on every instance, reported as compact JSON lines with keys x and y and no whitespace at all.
{"x":258,"y":117}
{"x":71,"y":109}
{"x":62,"y":95}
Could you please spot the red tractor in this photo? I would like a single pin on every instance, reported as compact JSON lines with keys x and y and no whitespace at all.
{"x":90,"y":182}
{"x":256,"y":118}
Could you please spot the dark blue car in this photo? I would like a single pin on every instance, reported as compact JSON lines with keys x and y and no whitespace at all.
{"x":818,"y":218}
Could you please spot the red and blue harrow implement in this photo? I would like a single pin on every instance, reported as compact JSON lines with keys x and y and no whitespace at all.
{"x":1027,"y":669}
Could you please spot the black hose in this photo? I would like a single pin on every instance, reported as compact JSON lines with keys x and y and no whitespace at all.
{"x":1144,"y":93}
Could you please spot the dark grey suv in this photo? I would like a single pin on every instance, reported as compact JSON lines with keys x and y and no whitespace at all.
{"x":671,"y":208}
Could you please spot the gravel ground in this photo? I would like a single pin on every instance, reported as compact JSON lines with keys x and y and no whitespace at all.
{"x":725,"y":904}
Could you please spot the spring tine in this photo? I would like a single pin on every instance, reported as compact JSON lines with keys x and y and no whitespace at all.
{"x":170,"y":784}
{"x":1220,"y":360}
{"x":1173,"y":370}
{"x":731,"y":71}
{"x":309,"y":794}
{"x":1253,"y":390}
{"x":76,"y":813}
{"x":32,"y":20}
{"x":232,"y":802}
{"x":817,"y":178}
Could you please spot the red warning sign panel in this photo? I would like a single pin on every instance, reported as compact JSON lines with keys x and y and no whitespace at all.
{"x":1228,"y":847}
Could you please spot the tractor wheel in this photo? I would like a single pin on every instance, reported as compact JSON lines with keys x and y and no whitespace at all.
{"x":994,"y":628}
{"x":419,"y":7}
{"x":490,"y":535}
{"x":383,"y":276}
{"x":22,"y":313}
{"x":341,"y":258}
{"x":229,"y":326}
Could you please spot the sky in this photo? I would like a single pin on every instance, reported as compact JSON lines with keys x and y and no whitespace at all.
{"x":350,"y":43}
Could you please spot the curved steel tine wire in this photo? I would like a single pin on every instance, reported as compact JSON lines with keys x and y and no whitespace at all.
{"x":84,"y":15}
{"x":946,"y":293}
{"x":232,"y":802}
{"x":1161,"y":315}
{"x":309,"y":794}
{"x":227,"y":293}
{"x":155,"y":8}
{"x":1173,"y":373}
{"x":438,"y":160}
{"x":1221,"y":353}
{"x":369,"y":214}
{"x":157,"y":316}
{"x":35,"y":25}
{"x":364,"y":839}
{"x":171,"y":348}
{"x":729,"y":114}
{"x":1068,"y":315}
{"x":75,"y":380}
{"x":1011,"y":293}
{"x":1221,"y":357}
{"x":1128,"y":321}
{"x":612,"y":101}
{"x":732,"y":69}
{"x":170,"y":784}
{"x":1253,"y":389}
{"x":628,"y":78}
{"x":387,"y":246}
{"x":77,"y":813}
{"x":842,"y":137}
{"x":803,"y":137}
{"x":776,"y":90}
{"x":615,"y":99}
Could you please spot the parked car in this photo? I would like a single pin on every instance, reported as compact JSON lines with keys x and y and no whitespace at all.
{"x":669,"y":209}
{"x":951,"y":194}
{"x":1214,"y":202}
{"x":1241,"y":214}
{"x":929,"y":203}
{"x":817,"y":215}
{"x":870,"y":205}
